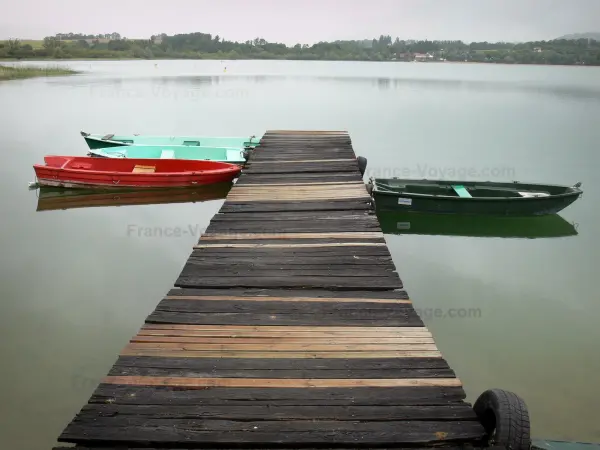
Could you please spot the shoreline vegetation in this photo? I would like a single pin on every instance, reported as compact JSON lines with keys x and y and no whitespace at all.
{"x":22,"y":72}
{"x":584,"y":51}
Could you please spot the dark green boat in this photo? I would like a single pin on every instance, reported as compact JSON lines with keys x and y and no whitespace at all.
{"x":471,"y":197}
{"x":539,"y":444}
{"x":529,"y":227}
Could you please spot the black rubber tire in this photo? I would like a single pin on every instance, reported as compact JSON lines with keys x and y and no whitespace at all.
{"x":362,"y":165}
{"x":505,"y":418}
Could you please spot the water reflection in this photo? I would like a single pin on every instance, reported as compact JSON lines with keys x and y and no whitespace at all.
{"x":195,"y":81}
{"x":532,"y":227}
{"x":50,"y":199}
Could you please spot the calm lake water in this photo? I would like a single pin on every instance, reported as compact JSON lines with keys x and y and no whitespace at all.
{"x":77,"y":284}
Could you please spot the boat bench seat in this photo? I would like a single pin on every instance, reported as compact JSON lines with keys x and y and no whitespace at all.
{"x":461,"y":191}
{"x":144,"y":169}
{"x":534,"y":194}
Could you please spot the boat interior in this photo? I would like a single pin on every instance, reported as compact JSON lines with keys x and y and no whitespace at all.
{"x":469,"y":189}
{"x":131,"y":165}
{"x":173,"y":152}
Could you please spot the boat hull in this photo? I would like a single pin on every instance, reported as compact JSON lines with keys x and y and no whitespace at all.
{"x":511,"y":207}
{"x":502,"y":199}
{"x":101,"y":173}
{"x":539,"y":444}
{"x":97,"y":141}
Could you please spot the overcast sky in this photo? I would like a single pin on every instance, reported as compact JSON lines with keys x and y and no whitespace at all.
{"x":304,"y":21}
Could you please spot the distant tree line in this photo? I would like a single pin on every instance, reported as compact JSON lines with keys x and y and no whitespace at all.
{"x":206,"y":46}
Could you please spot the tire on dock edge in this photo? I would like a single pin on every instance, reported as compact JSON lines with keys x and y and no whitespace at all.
{"x":505,"y":418}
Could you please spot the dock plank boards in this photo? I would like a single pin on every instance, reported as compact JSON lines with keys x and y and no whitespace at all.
{"x":286,"y":328}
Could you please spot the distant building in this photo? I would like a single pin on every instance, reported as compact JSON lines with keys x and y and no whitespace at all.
{"x":423,"y":56}
{"x":537,"y":49}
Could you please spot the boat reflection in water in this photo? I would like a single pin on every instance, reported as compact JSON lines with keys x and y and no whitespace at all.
{"x":526,"y":227}
{"x":50,"y":199}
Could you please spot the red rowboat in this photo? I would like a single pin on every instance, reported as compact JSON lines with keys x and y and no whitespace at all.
{"x":86,"y":172}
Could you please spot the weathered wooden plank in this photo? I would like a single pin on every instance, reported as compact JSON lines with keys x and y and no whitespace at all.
{"x":314,"y":167}
{"x":407,"y":319}
{"x":231,"y":207}
{"x":301,"y":191}
{"x":290,"y":168}
{"x":179,"y":447}
{"x":278,"y":354}
{"x":283,"y":346}
{"x":315,"y":184}
{"x":315,"y":293}
{"x":284,"y":161}
{"x":284,"y":368}
{"x":298,"y":178}
{"x":151,"y":431}
{"x":270,"y":328}
{"x":233,"y":239}
{"x":301,"y":150}
{"x":297,"y":196}
{"x":286,"y":299}
{"x":278,"y":373}
{"x":358,"y":217}
{"x":217,"y":306}
{"x":280,"y":382}
{"x":287,"y":225}
{"x":261,"y":412}
{"x":290,"y":133}
{"x":283,"y":227}
{"x":294,"y":282}
{"x":354,"y":250}
{"x":308,"y":245}
{"x":301,"y":341}
{"x":311,"y":147}
{"x":265,"y":265}
{"x":142,"y":395}
{"x":192,"y":269}
{"x":356,"y":262}
{"x":299,"y":188}
{"x":350,"y":336}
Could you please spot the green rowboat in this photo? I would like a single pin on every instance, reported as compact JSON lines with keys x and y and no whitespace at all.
{"x":539,"y":444}
{"x":95,"y":141}
{"x":431,"y":224}
{"x":220,"y":154}
{"x":470,"y":197}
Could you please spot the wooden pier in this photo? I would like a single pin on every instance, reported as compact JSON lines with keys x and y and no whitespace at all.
{"x":287,"y":327}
